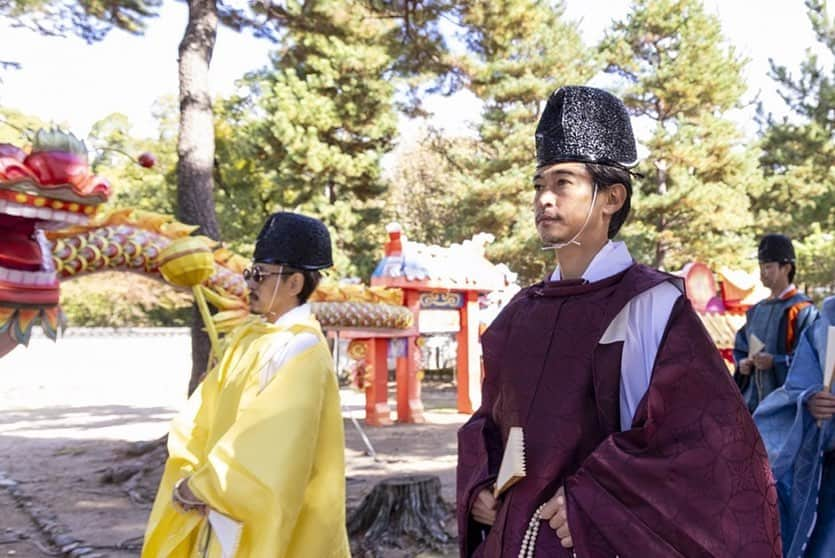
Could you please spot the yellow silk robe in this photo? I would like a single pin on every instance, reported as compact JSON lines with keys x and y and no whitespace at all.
{"x":273,"y":460}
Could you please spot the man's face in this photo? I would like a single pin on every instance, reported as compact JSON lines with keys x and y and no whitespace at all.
{"x":267,"y":290}
{"x":561,"y":203}
{"x":773,"y":274}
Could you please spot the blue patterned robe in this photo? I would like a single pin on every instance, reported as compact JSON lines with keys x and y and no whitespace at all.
{"x":800,"y":452}
{"x":769,"y":320}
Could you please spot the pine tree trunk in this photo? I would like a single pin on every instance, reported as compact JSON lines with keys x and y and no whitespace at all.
{"x":196,"y":148}
{"x":661,"y":226}
{"x":400,"y":507}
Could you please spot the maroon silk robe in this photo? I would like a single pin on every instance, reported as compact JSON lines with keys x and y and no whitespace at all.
{"x":689,"y":478}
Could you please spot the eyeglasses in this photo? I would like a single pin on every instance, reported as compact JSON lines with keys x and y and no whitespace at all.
{"x":258,"y":275}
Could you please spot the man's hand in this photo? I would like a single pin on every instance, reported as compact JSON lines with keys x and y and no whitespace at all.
{"x":555,"y":512}
{"x":822,"y":405}
{"x":484,"y":508}
{"x":746,"y":366}
{"x":185,"y":500}
{"x":763,"y":361}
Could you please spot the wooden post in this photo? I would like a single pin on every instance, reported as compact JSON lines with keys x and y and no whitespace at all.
{"x":377,"y":411}
{"x":468,"y":361}
{"x":409,"y":404}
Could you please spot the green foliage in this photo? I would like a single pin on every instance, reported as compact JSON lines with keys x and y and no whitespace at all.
{"x":797,"y":155}
{"x":308,"y":133}
{"x":89,"y":19}
{"x":816,"y":261}
{"x":521,"y":51}
{"x":115,"y":153}
{"x":114,"y":299}
{"x":18,"y":128}
{"x":427,"y":191}
{"x":418,"y":45}
{"x":683,"y":78}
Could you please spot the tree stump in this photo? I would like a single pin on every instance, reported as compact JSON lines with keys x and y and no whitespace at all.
{"x":399,"y":507}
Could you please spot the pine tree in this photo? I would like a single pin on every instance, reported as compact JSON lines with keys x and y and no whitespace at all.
{"x":90,"y":20}
{"x":412,"y":26}
{"x":522,"y":50}
{"x":316,"y":124}
{"x":682,"y":78}
{"x":797,"y":155}
{"x":426,"y":191}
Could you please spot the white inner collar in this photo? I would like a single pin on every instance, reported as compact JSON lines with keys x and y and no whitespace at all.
{"x":613,"y":258}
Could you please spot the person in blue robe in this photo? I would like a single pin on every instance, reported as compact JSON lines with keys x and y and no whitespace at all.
{"x":776,"y":321}
{"x":797,"y":427}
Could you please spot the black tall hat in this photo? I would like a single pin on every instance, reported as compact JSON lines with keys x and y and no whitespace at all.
{"x":776,"y":248}
{"x":585,"y":124}
{"x":294,"y":240}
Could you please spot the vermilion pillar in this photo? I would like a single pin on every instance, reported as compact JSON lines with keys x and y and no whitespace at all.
{"x":468,"y":362}
{"x":409,"y":405}
{"x":377,"y":411}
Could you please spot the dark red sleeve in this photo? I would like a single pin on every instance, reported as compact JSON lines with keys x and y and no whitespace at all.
{"x":479,"y":455}
{"x":480,"y":443}
{"x":691,"y":478}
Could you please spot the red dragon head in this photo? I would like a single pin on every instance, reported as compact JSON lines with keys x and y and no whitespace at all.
{"x":50,"y":187}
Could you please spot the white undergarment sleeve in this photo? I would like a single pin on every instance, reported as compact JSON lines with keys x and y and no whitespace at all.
{"x":648,"y":314}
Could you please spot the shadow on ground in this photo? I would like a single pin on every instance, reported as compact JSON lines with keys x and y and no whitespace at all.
{"x":57,"y":455}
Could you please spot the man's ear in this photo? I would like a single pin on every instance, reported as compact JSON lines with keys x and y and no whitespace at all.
{"x":614,"y":197}
{"x":296,"y":283}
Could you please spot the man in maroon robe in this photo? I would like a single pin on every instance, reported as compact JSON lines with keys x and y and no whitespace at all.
{"x":636,"y":440}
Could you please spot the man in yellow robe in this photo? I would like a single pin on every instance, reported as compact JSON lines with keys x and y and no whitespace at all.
{"x":256,"y":463}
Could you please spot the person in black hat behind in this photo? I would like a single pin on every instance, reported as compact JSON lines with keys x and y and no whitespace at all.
{"x":609,"y":425}
{"x":256,"y":461}
{"x":764,"y":345}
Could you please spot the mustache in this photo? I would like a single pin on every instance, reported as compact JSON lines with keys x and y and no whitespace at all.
{"x":544,"y":215}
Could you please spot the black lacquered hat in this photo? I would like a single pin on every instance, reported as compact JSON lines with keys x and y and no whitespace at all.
{"x":295,"y":240}
{"x":776,"y":248}
{"x":585,"y":124}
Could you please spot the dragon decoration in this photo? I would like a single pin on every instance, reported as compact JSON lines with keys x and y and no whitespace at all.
{"x":51,"y":231}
